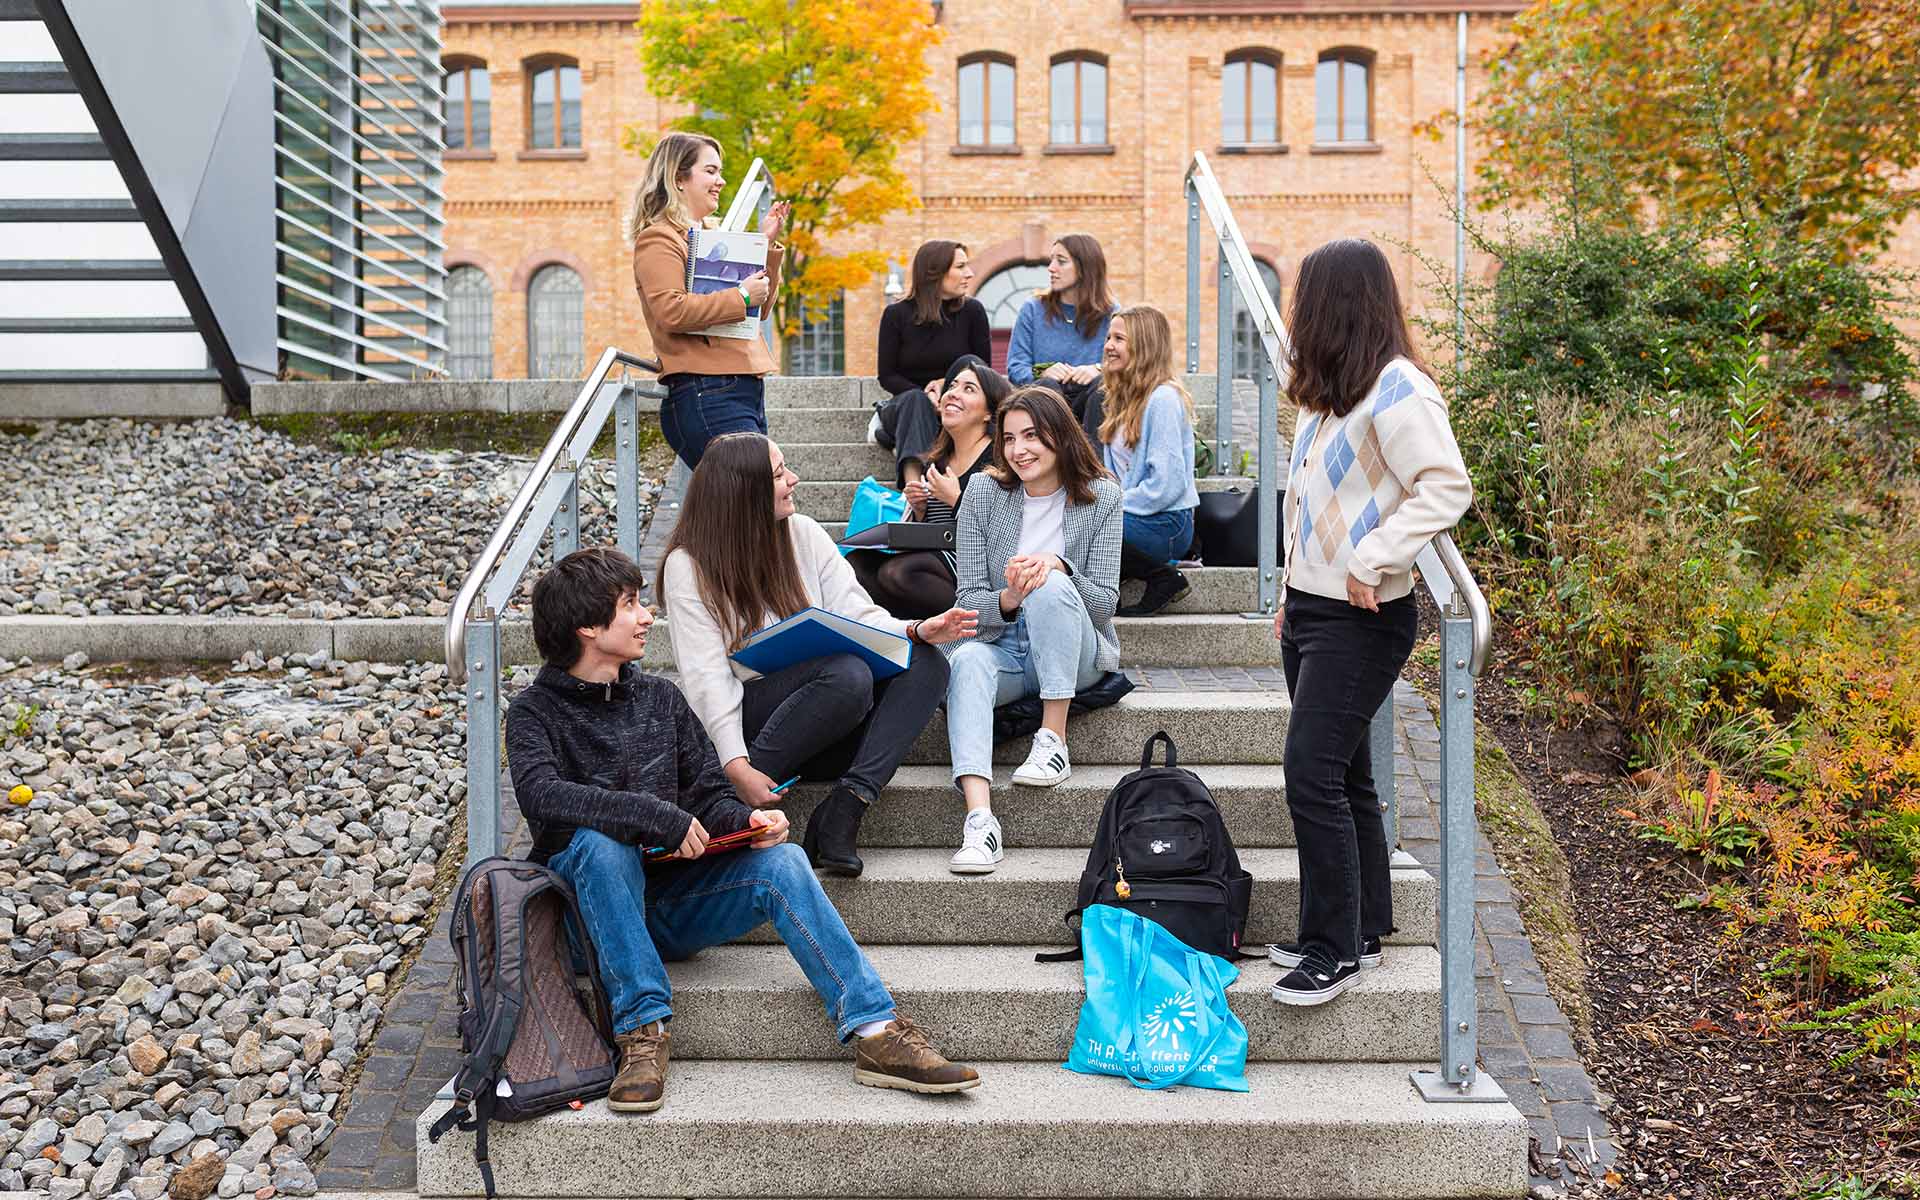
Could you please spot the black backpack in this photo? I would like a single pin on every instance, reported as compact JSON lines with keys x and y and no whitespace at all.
{"x":524,"y":1021}
{"x":1161,"y":850}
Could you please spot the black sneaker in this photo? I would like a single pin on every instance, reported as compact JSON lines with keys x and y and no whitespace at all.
{"x":1289,"y":954}
{"x":1315,"y":982}
{"x":1162,"y":589}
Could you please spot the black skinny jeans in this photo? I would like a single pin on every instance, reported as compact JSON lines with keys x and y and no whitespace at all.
{"x":827,"y":718}
{"x":1340,"y":663}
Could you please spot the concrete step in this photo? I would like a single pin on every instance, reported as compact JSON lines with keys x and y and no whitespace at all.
{"x":909,"y":897}
{"x":1162,"y":640}
{"x":35,"y":78}
{"x":863,"y":391}
{"x":1306,"y":1131}
{"x":1209,"y":727}
{"x":849,"y":424}
{"x":995,"y":1004}
{"x":921,"y":807}
{"x":40,"y":211}
{"x":1212,"y":590}
{"x":830,"y":499}
{"x":52,"y":147}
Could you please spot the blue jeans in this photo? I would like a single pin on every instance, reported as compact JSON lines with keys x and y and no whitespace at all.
{"x":1161,"y":536}
{"x":1048,"y":652}
{"x":636,"y":920}
{"x":699,"y":408}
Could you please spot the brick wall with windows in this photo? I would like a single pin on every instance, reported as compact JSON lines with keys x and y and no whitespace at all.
{"x":990,"y":170}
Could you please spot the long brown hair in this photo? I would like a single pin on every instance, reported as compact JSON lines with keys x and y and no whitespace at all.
{"x":931,"y":262}
{"x":993,"y":385}
{"x":743,"y":558}
{"x":1090,"y":265}
{"x":1149,"y":365}
{"x":1079,"y":466}
{"x":1346,"y":325}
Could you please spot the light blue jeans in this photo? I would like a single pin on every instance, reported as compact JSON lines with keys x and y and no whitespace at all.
{"x":638,"y":918}
{"x":1047,"y":652}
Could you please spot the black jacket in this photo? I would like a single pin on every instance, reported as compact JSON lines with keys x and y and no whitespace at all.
{"x":627,"y":759}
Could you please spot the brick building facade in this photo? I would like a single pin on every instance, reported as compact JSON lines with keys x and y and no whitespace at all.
{"x":537,"y":219}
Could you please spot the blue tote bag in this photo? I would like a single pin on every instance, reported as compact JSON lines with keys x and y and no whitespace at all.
{"x":874,"y":503}
{"x":1156,"y":1009}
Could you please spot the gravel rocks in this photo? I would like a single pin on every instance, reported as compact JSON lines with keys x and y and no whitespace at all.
{"x":199,"y":910}
{"x":224,"y":517}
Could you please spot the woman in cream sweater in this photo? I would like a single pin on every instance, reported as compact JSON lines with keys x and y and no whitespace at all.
{"x":715,"y":385}
{"x":1376,"y":474}
{"x":741,"y":559}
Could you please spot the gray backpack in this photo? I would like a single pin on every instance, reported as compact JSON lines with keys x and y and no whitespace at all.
{"x":535,"y":1039}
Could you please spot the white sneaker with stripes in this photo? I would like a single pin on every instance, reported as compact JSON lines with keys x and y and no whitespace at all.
{"x":981,"y":845}
{"x":1047,"y":764}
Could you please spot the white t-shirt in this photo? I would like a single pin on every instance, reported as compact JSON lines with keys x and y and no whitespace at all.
{"x":1043,"y":524}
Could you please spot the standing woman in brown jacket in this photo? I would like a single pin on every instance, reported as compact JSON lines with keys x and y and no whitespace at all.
{"x":714,"y":384}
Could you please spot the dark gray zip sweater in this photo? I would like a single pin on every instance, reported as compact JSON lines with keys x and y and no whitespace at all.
{"x":627,"y":759}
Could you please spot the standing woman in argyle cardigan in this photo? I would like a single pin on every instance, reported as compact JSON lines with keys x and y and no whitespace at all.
{"x":1376,"y":474}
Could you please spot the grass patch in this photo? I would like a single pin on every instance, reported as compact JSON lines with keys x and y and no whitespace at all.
{"x":506,"y":433}
{"x":1527,"y":851}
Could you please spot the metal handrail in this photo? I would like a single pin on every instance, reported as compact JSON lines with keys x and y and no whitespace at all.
{"x":1466,"y":594}
{"x":754,"y":193}
{"x":1246,"y":276}
{"x":523,"y":500}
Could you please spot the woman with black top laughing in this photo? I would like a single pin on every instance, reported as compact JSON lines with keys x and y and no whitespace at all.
{"x":920,"y":583}
{"x":920,"y":334}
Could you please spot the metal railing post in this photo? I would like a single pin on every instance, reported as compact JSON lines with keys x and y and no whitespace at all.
{"x":1266,"y":482}
{"x":1223,"y":368}
{"x":1380,"y":746}
{"x":1459,"y":1077}
{"x":483,"y":737}
{"x":1193,"y":278}
{"x":626,"y":470}
{"x":566,"y":518}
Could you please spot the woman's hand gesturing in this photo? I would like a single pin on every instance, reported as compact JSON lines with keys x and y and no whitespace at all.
{"x":775,"y":219}
{"x":943,"y":485}
{"x":953,"y":625}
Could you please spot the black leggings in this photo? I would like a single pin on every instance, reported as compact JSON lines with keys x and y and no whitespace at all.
{"x":912,"y":586}
{"x":829,"y":719}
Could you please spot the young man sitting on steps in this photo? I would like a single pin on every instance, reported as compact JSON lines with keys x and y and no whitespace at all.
{"x":608,"y":762}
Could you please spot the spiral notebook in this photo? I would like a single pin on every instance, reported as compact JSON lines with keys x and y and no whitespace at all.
{"x":720,"y":260}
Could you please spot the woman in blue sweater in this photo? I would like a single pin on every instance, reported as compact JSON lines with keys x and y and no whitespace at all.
{"x":1146,"y":437}
{"x":1057,"y":337}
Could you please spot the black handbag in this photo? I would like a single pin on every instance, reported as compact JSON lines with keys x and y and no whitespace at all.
{"x":1020,"y":718}
{"x":1226,"y":529}
{"x":903,"y":535}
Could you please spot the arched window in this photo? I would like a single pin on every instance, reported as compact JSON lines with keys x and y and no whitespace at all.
{"x":1250,"y":99}
{"x":556,"y":324}
{"x":1343,"y":97}
{"x":820,"y":348}
{"x":553,"y":104}
{"x":1077,"y":100}
{"x":469,"y":324}
{"x":986,"y":100}
{"x":1001,"y":295}
{"x":1246,"y":342}
{"x":469,"y":105}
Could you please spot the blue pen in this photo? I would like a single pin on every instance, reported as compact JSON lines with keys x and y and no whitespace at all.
{"x":783,"y":787}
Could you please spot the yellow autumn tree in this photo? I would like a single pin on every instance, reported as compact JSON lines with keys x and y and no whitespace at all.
{"x":825,"y":91}
{"x":1796,"y":117}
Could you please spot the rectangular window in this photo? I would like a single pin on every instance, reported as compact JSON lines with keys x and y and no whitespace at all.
{"x":986,"y":104}
{"x":819,"y":348}
{"x":553,"y":117}
{"x":1077,"y":103}
{"x":1342,"y":97}
{"x":1326,"y":101}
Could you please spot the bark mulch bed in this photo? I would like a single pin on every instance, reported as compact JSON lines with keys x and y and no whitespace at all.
{"x":1711,"y":1097}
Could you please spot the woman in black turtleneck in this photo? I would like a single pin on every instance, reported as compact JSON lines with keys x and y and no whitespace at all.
{"x":920,"y":336}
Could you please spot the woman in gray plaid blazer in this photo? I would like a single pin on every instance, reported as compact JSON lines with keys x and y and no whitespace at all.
{"x":1038,"y":544}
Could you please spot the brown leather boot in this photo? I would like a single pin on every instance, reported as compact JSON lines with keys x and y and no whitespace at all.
{"x":899,"y":1056}
{"x":641,"y":1085}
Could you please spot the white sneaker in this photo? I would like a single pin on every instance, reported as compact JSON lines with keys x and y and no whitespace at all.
{"x":873,"y":429}
{"x":981,"y":846}
{"x":1047,"y":764}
